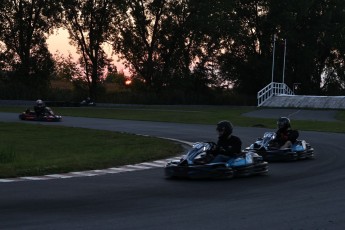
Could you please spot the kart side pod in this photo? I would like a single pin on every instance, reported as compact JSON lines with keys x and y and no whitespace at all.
{"x":241,"y":161}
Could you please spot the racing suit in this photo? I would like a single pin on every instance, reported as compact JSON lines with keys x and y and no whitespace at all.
{"x":284,"y":135}
{"x":40,"y":110}
{"x":227,"y":147}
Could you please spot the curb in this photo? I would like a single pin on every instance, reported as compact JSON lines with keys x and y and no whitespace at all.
{"x":99,"y":172}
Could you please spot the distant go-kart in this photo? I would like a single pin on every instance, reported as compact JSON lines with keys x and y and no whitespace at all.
{"x":264,"y":146}
{"x":30,"y":115}
{"x":193,"y":166}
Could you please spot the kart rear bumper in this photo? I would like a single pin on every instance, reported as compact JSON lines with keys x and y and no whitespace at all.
{"x":30,"y":117}
{"x":283,"y":155}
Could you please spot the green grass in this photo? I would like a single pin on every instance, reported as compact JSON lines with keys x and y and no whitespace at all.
{"x":201,"y":115}
{"x":27,"y":150}
{"x":193,"y":114}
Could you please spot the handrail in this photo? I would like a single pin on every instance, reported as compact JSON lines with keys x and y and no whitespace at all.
{"x":272,"y":89}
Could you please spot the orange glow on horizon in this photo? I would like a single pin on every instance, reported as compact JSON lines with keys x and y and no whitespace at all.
{"x":59,"y":42}
{"x":128,"y":82}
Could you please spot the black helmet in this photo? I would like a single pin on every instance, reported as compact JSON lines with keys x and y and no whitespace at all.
{"x":283,"y":123}
{"x":226,"y":127}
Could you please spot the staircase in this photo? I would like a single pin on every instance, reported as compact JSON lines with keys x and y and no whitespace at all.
{"x":273,"y":89}
{"x":281,"y":96}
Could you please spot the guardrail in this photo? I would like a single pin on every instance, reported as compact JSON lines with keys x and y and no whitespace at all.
{"x":272,"y":89}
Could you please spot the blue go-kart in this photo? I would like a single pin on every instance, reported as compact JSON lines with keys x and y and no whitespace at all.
{"x":267,"y":148}
{"x":196,"y":164}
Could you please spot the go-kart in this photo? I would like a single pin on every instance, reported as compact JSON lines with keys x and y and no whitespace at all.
{"x":195,"y":164}
{"x":48,"y":115}
{"x":87,"y":102}
{"x":267,"y":148}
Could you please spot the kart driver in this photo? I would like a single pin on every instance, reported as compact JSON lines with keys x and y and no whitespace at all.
{"x":40,"y":108}
{"x":228,"y":145}
{"x":285,"y":136}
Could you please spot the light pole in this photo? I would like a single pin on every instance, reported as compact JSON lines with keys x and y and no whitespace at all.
{"x":284,"y":61}
{"x":274,"y":50}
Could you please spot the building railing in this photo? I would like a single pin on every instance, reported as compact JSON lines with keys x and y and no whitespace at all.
{"x":271,"y":90}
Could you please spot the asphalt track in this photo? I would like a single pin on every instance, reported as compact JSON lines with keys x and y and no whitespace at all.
{"x":298,"y":195}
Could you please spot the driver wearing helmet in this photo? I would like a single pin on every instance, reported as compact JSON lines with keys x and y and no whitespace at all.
{"x":228,"y":145}
{"x":285,"y":135}
{"x":40,"y":108}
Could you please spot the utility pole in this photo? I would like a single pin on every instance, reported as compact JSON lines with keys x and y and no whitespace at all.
{"x":274,"y":50}
{"x":284,"y":61}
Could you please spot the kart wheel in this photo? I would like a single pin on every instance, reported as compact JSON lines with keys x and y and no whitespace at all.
{"x":21,"y":117}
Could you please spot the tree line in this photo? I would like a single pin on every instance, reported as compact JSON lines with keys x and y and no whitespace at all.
{"x":184,"y":45}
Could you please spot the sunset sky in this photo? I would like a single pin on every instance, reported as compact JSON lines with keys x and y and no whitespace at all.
{"x":59,"y":42}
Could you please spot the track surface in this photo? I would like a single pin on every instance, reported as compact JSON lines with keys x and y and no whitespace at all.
{"x":299,"y":195}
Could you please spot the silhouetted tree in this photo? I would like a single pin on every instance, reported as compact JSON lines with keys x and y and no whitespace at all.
{"x":315,"y":34}
{"x":24,"y":27}
{"x":89,"y":25}
{"x":168,"y":43}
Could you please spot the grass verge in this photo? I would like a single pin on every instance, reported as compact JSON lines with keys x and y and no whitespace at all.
{"x":193,"y":115}
{"x":29,"y":150}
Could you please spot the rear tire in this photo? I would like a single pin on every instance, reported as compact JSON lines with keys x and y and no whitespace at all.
{"x":21,"y":117}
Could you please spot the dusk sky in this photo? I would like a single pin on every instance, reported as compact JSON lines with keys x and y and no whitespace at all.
{"x":59,"y":42}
